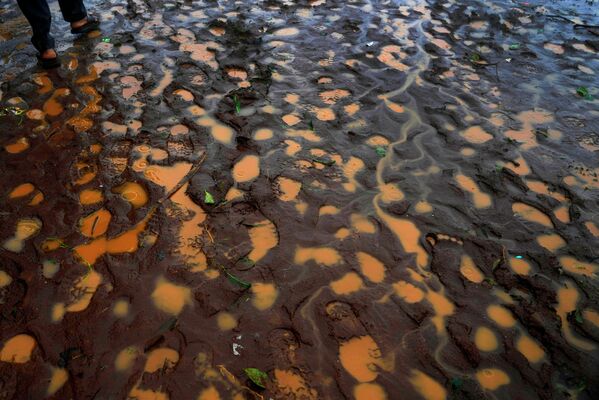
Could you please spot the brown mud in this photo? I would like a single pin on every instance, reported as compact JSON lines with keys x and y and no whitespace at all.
{"x":363,"y":199}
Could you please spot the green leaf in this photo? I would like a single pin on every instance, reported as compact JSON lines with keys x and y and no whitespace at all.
{"x":584,"y":93}
{"x":106,"y":39}
{"x":328,"y":163}
{"x":381,"y":151}
{"x":237,"y":281}
{"x":11,"y":110}
{"x":578,"y":316}
{"x":475,"y":57}
{"x":311,"y":125}
{"x":514,"y":46}
{"x":248,"y":262}
{"x":258,"y":377}
{"x":208,"y":199}
{"x":237,"y":104}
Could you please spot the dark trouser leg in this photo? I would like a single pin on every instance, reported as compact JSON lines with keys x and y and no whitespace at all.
{"x":72,"y":10}
{"x":38,"y":14}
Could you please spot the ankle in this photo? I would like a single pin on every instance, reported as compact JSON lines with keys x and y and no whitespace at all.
{"x":78,"y":24}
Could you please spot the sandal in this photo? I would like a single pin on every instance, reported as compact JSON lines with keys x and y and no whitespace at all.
{"x":48,"y":63}
{"x":90,"y":25}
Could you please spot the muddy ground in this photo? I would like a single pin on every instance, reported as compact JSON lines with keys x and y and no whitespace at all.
{"x":361,"y":199}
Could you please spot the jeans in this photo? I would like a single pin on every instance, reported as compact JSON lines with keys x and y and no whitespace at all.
{"x":38,"y":14}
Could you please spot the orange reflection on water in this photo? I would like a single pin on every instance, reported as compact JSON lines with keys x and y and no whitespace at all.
{"x":17,"y":349}
{"x":360,"y":357}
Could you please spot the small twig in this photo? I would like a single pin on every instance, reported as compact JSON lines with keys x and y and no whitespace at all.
{"x":94,"y":225}
{"x":210,"y":235}
{"x":560,"y":17}
{"x":183,"y":181}
{"x":585,"y":26}
{"x":504,"y":113}
{"x":589,"y":28}
{"x":576,"y":26}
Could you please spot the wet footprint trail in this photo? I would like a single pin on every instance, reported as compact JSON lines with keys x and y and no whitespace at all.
{"x":363,"y":199}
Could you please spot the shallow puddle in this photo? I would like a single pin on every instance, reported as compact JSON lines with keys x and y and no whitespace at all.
{"x":427,"y":387}
{"x":492,"y":378}
{"x":371,"y":268}
{"x":133,"y":193}
{"x":170,"y":298}
{"x":246,"y":169}
{"x":17,"y":349}
{"x":360,"y":357}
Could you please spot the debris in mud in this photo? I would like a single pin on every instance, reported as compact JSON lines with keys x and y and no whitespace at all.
{"x":257,"y":377}
{"x":584,"y":93}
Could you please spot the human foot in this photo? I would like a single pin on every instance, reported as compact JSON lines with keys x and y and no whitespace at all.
{"x":48,"y":59}
{"x":84,"y":25}
{"x":48,"y":54}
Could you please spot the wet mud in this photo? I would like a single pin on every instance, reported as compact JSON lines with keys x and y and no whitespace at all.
{"x":362,"y":199}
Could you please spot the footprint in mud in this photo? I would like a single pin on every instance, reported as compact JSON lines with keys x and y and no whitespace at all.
{"x":433,"y":239}
{"x":360,"y":356}
{"x":17,"y":146}
{"x":292,"y":374}
{"x":467,"y":266}
{"x":159,"y":364}
{"x":27,"y":191}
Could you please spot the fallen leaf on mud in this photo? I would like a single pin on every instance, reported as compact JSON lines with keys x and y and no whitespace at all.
{"x":237,"y":104}
{"x":477,"y":59}
{"x":258,"y":377}
{"x":237,"y":281}
{"x":584,"y":93}
{"x":381,"y":152}
{"x":11,"y":110}
{"x":328,"y":163}
{"x":208,"y":199}
{"x":576,"y":315}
